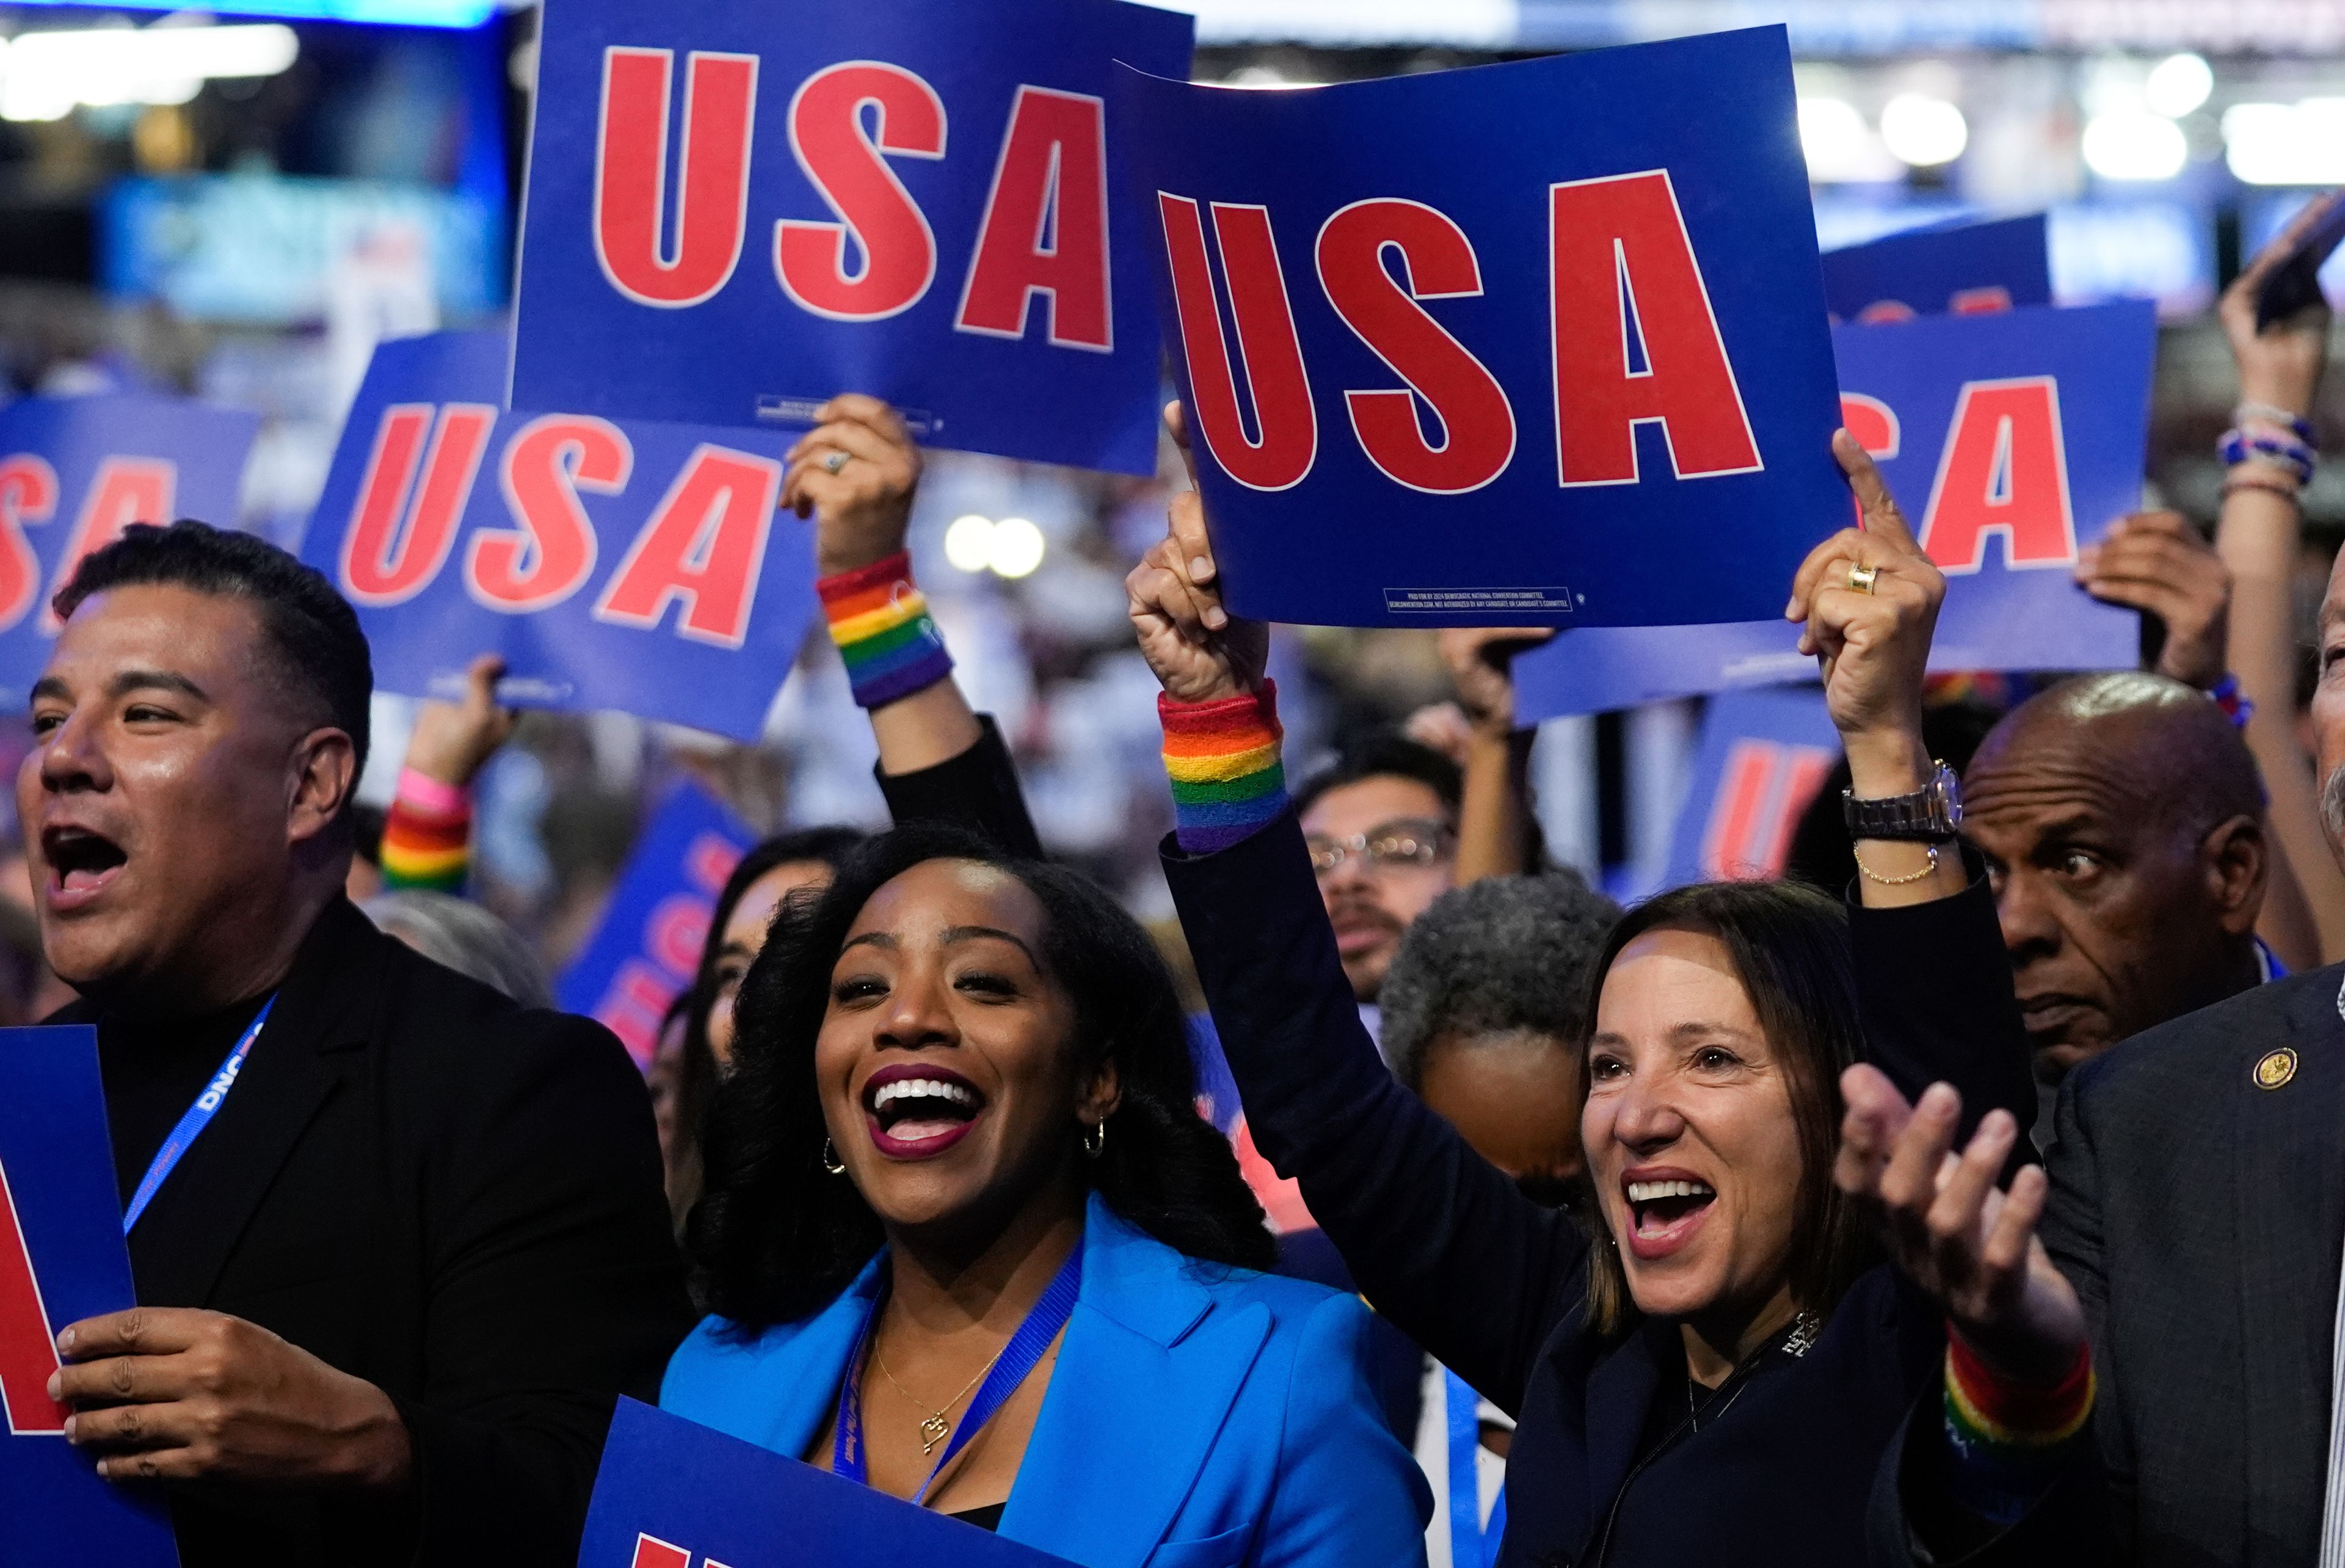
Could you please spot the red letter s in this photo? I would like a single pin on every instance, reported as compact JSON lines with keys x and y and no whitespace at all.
{"x":28,"y":493}
{"x":845,"y":164}
{"x":1477,"y":424}
{"x":720,"y":105}
{"x":549,"y":555}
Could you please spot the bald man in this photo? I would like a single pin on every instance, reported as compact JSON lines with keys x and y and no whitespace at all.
{"x":2122,"y":821}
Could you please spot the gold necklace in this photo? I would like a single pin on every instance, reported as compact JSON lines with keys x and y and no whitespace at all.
{"x":932,"y":1430}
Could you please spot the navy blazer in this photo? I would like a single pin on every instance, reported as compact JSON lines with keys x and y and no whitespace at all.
{"x":1199,"y":1416}
{"x":1495,"y":1285}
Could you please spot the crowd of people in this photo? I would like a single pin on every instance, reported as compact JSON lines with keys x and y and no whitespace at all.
{"x":1978,"y":1201}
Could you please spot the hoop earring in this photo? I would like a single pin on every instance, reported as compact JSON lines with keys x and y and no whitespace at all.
{"x":830,"y":1160}
{"x":1095,"y":1139}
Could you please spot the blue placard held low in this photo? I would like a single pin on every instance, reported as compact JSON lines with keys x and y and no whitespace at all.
{"x":2010,"y":441}
{"x":1538,"y":343}
{"x":61,"y":1261}
{"x":638,"y":566}
{"x":1957,"y":268}
{"x":675,"y":1494}
{"x":736,"y":211}
{"x":1762,"y":757}
{"x":74,"y":472}
{"x":647,"y":948}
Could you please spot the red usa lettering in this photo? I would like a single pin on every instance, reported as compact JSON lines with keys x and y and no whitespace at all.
{"x":1764,"y":787}
{"x":1633,"y":340}
{"x":28,"y":1352}
{"x":651,"y":1552}
{"x":1043,"y":239}
{"x":702,"y":551}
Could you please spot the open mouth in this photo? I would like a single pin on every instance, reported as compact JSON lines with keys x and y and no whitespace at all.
{"x":915,"y":1112}
{"x":1665,"y":1209}
{"x":81,"y":862}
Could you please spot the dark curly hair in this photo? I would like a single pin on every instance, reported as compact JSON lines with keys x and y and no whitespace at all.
{"x":776,"y":1237}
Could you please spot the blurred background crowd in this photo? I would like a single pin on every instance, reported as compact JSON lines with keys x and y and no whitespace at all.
{"x":239,"y":208}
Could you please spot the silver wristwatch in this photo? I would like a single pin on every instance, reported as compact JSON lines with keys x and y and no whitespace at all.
{"x":1931,"y":815}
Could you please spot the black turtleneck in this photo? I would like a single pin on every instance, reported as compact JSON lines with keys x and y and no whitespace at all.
{"x":153,"y":1071}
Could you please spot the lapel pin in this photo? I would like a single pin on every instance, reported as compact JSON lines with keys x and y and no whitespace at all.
{"x":2275,"y":1069}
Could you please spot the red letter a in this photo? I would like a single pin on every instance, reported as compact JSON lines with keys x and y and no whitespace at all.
{"x":124,"y":490}
{"x":720,"y":102}
{"x":1622,"y":267}
{"x":1045,"y":228}
{"x":2004,"y":470}
{"x":705,"y":544}
{"x":1267,"y":343}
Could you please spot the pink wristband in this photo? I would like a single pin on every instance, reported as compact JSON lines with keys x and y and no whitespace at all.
{"x":432,"y":797}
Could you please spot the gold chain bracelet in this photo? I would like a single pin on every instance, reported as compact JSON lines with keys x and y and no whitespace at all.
{"x":1872,"y":876}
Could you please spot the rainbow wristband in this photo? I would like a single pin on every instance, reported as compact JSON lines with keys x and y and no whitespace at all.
{"x":1223,"y":761}
{"x":427,"y":835}
{"x":2009,"y":1438}
{"x":884,"y":632}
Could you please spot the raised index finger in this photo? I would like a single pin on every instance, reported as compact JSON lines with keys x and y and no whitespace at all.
{"x":139,"y":1331}
{"x":1882,"y":521}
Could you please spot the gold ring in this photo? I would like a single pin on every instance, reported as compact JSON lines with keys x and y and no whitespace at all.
{"x":1861,"y":578}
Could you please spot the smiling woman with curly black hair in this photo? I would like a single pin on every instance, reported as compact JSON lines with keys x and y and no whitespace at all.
{"x":966,"y":1239}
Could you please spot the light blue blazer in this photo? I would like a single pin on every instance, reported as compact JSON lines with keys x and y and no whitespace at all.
{"x":1198,"y":1417}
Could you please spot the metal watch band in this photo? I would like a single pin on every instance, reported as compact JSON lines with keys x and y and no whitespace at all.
{"x":1931,"y":815}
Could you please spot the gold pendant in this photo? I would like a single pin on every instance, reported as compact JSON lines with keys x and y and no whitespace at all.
{"x":932,"y":1432}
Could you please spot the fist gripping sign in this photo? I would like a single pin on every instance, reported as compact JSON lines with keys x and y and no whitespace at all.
{"x":1534,"y":343}
{"x":61,"y":1261}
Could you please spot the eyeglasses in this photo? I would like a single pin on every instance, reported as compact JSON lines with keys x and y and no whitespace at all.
{"x":1409,"y":843}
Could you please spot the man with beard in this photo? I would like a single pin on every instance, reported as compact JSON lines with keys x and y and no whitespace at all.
{"x":1382,"y":824}
{"x":2123,"y":824}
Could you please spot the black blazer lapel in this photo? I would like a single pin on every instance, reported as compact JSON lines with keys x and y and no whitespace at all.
{"x":2288,"y":1132}
{"x":1621,"y":1391}
{"x":298,"y":1064}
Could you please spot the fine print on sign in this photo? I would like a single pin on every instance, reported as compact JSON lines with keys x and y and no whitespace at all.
{"x":735,"y":213}
{"x":1540,"y":342}
{"x":74,"y":473}
{"x":641,"y":567}
{"x":2011,"y":439}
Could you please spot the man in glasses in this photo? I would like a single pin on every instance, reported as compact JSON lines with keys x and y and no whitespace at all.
{"x":1382,"y":824}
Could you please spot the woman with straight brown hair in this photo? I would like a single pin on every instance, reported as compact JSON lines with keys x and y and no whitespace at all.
{"x":1711,"y":1365}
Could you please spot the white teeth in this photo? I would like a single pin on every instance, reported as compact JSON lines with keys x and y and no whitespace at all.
{"x":921,"y":1088}
{"x":1647,"y":1191}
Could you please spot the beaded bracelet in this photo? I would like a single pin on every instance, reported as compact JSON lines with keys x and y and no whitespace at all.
{"x":2238,"y":447}
{"x":2269,"y":414}
{"x":2227,"y":695}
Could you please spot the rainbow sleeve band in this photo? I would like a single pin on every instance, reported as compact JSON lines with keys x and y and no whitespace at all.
{"x":884,"y":632}
{"x":427,"y":835}
{"x":1222,"y":759}
{"x":2009,"y":1438}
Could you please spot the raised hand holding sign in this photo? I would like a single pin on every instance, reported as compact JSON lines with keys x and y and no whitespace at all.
{"x":1527,"y":344}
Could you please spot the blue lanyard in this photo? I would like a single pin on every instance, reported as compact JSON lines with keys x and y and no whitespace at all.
{"x":198,"y":1118}
{"x":1018,"y":1358}
{"x":1472,"y":1544}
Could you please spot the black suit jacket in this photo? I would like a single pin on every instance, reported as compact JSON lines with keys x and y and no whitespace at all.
{"x":1495,"y":1285}
{"x":448,"y":1196}
{"x":2198,"y":1207}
